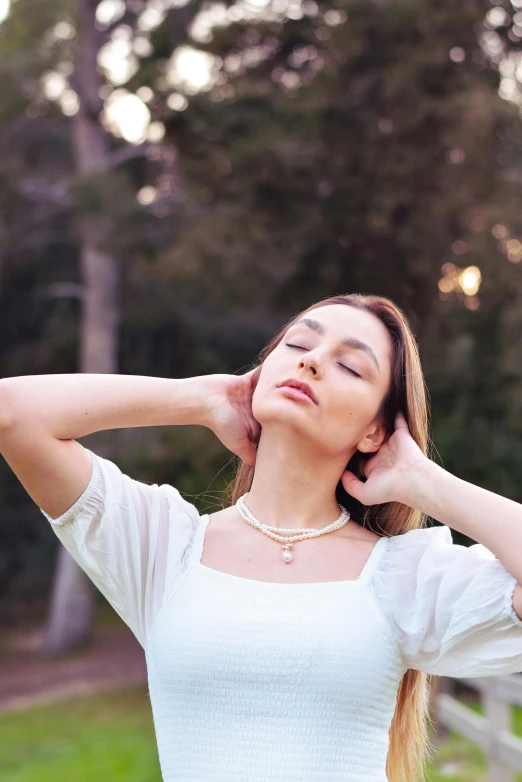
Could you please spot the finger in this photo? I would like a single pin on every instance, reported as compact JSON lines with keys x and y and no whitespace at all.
{"x":353,"y":486}
{"x":248,"y":451}
{"x":253,"y":374}
{"x":250,"y":456}
{"x":400,"y":421}
{"x":255,"y":433}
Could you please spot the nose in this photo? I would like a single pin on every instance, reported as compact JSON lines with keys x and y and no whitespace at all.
{"x":310,"y":362}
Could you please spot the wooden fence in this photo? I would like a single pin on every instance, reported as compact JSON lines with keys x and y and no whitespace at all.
{"x":493,"y":732}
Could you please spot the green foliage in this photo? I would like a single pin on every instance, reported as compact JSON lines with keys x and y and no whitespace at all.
{"x":109,"y":737}
{"x":342,"y":151}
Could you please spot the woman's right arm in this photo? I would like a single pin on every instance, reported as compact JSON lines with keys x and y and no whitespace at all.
{"x":42,"y":415}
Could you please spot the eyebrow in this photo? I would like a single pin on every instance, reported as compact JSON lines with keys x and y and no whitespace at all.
{"x":348,"y":342}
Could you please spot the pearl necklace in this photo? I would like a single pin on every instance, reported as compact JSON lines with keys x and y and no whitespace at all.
{"x":272,"y":532}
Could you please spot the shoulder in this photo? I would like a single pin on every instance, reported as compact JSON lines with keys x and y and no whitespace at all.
{"x":117,"y":482}
{"x":435,"y":545}
{"x":421,"y":548}
{"x":428,"y":559}
{"x":355,"y":531}
{"x":421,"y":538}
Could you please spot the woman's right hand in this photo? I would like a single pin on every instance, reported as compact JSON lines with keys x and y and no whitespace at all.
{"x":231,"y":417}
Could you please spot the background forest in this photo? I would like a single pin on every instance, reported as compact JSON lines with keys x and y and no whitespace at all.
{"x":177,"y":179}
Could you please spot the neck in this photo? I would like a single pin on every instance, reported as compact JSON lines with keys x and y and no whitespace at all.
{"x":294,"y":485}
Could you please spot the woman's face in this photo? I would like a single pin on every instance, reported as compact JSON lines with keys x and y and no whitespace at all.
{"x":345,"y":355}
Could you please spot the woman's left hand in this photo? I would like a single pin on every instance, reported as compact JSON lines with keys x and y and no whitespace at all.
{"x":391,"y":471}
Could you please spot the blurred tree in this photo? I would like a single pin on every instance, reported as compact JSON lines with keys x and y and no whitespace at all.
{"x":356,"y":147}
{"x":85,"y":189}
{"x":310,"y":148}
{"x":72,"y":599}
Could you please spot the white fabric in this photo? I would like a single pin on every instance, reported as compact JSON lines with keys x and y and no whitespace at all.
{"x":279,"y":682}
{"x":119,"y":532}
{"x":449,"y":606}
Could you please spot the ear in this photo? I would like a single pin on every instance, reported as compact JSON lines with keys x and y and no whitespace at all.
{"x":373,"y":439}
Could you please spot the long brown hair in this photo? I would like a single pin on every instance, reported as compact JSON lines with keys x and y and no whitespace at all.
{"x":409,"y":735}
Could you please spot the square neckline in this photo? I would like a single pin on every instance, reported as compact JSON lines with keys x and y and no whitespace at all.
{"x":221,"y":575}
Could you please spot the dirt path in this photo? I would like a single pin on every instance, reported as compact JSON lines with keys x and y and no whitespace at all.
{"x":115,"y":660}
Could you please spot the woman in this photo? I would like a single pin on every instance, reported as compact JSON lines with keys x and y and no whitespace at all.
{"x":286,"y":638}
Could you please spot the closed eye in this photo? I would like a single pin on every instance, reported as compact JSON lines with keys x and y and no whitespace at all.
{"x":299,"y":347}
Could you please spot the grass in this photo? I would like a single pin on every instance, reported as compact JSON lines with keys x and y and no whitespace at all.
{"x":459,"y":760}
{"x":106,"y":737}
{"x":111,"y":737}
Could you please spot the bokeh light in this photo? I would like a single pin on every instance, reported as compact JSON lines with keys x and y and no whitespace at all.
{"x":458,"y":280}
{"x":127,"y":116}
{"x":470,"y":279}
{"x":4,"y":9}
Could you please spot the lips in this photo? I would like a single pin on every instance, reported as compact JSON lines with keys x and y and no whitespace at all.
{"x":301,"y":386}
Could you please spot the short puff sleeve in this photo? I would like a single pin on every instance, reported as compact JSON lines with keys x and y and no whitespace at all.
{"x":130,"y":538}
{"x":449,"y":606}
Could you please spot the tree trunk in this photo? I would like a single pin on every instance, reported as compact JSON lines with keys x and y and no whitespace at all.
{"x":72,"y":600}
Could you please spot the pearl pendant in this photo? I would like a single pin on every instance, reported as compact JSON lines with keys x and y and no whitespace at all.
{"x":297,"y":534}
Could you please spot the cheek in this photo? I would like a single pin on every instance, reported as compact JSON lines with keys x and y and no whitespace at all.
{"x":352,"y":410}
{"x":261,"y":392}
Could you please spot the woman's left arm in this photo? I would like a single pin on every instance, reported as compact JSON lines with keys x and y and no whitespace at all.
{"x":400,"y":472}
{"x":488,"y":518}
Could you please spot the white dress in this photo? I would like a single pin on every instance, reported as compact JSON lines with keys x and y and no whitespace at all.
{"x":277,"y":682}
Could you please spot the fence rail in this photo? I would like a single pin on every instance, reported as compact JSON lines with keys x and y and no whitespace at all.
{"x":493,"y":732}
